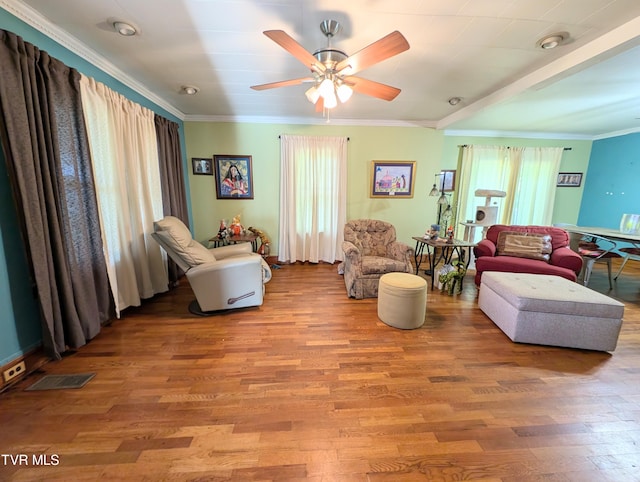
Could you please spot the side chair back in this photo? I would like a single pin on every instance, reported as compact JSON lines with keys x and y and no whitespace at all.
{"x":593,"y":249}
{"x":629,"y":224}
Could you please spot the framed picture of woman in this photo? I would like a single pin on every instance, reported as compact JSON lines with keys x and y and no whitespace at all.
{"x":234,"y":176}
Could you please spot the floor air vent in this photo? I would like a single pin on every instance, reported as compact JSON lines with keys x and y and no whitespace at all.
{"x":59,"y":382}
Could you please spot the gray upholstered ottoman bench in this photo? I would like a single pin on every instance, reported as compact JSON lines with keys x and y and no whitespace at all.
{"x":550,"y":310}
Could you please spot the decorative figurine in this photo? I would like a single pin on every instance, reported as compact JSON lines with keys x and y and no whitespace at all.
{"x":236,"y":227}
{"x":265,"y":245}
{"x":432,"y":233}
{"x":223,"y":231}
{"x":449,"y":278}
{"x":450,"y":235}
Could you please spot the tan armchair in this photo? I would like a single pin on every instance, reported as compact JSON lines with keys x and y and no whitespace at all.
{"x":371,"y":250}
{"x":221,"y":278}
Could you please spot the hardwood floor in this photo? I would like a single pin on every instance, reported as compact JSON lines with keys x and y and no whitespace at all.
{"x":311,"y":386}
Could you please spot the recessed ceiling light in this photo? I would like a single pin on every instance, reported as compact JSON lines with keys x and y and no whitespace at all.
{"x":552,"y":41}
{"x":189,"y":90}
{"x":454,"y":100}
{"x":124,"y":29}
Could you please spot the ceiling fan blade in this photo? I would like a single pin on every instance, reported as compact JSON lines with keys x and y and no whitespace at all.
{"x":371,"y":88}
{"x":282,"y":83}
{"x":320,"y":105}
{"x":380,"y":50}
{"x":285,"y":41}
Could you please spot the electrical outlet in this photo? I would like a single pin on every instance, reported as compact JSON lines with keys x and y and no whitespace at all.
{"x":16,"y":370}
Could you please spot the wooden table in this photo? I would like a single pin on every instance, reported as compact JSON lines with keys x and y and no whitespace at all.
{"x":216,"y":242}
{"x":447,"y":250}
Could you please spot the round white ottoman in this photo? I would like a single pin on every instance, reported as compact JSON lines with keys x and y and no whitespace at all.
{"x":402,"y":300}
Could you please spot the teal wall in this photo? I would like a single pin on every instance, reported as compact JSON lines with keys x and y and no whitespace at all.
{"x":20,"y":325}
{"x":20,"y":319}
{"x":611,"y":187}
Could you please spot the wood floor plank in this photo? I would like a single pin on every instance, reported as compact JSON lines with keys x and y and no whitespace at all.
{"x":312,"y":386}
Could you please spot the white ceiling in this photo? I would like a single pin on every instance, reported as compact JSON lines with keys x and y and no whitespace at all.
{"x":483,"y":51}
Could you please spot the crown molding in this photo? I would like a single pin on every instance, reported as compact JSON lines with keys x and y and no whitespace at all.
{"x":307,"y":121}
{"x":539,"y":135}
{"x":617,"y":133}
{"x":34,"y":19}
{"x":518,"y":134}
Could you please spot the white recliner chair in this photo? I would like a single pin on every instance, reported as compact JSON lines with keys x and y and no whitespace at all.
{"x":222,"y":278}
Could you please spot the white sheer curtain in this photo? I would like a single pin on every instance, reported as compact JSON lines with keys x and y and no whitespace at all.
{"x":313,"y":198}
{"x":482,"y":167}
{"x":536,"y":186}
{"x":124,"y":151}
{"x":527,"y":174}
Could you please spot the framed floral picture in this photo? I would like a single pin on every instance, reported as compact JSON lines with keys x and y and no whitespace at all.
{"x":234,"y":176}
{"x":392,"y":178}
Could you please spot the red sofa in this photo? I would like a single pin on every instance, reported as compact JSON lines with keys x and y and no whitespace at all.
{"x":562,"y":260}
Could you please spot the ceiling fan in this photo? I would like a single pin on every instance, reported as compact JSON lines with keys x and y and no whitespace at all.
{"x":332,"y":69}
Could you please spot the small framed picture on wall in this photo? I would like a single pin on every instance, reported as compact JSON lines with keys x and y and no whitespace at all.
{"x":569,"y":179}
{"x":202,"y":166}
{"x":448,"y":180}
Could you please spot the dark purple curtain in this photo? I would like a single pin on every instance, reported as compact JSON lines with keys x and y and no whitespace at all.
{"x":47,"y":153}
{"x":174,"y":197}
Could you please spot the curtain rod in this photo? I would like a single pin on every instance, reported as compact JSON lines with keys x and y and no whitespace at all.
{"x":348,"y":139}
{"x":467,"y":145}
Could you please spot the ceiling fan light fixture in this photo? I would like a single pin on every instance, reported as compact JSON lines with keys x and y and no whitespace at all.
{"x":344,"y":92}
{"x":330,"y":100}
{"x":552,"y":41}
{"x":326,"y":87}
{"x":330,"y":67}
{"x":125,"y":29}
{"x":312,"y":94}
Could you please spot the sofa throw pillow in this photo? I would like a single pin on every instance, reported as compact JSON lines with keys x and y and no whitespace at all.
{"x":524,"y":245}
